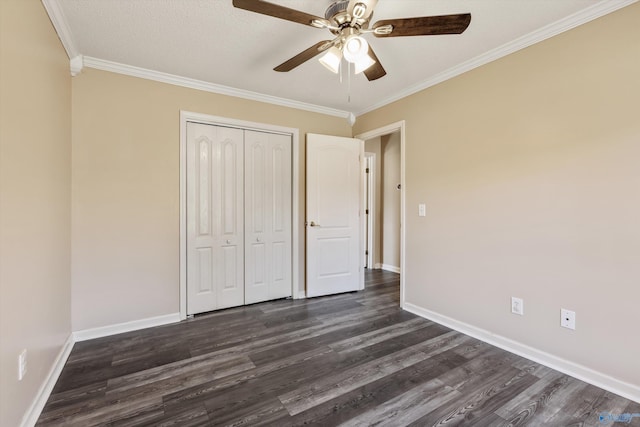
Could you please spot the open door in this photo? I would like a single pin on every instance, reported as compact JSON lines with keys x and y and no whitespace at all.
{"x":333,"y":225}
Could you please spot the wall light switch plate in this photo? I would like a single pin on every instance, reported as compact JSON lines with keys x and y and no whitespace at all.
{"x":422,"y":209}
{"x":517,"y":306}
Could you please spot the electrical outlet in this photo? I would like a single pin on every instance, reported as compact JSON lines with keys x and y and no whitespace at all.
{"x":567,"y":318}
{"x":517,"y":306}
{"x":22,"y":364}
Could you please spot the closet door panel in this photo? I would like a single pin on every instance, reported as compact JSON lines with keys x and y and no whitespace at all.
{"x":257,"y":214}
{"x":228,"y":196}
{"x":280,"y":251}
{"x":267,"y":216}
{"x":215,"y":271}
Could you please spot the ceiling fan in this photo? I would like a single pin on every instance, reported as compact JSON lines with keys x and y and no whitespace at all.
{"x":348,"y":20}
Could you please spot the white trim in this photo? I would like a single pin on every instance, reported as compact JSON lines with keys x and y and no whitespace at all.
{"x":391,"y":268}
{"x":568,"y":367}
{"x":76,"y":64}
{"x":35,"y":409}
{"x":134,"y":325}
{"x":361,"y":214}
{"x":61,"y":25}
{"x":370,"y":229}
{"x":377,"y":266}
{"x":182,"y":281}
{"x":297,"y":268}
{"x":158,"y":76}
{"x":386,"y":130}
{"x":582,"y":17}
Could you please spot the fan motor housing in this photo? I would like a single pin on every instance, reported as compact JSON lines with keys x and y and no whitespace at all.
{"x":337,"y":14}
{"x":335,"y":8}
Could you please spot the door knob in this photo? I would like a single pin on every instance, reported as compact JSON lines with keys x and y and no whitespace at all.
{"x":228,"y":242}
{"x":257,"y":239}
{"x":313,"y":224}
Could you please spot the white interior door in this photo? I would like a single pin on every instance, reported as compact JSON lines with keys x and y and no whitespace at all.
{"x":215,"y":217}
{"x":334,"y":204}
{"x":267,"y":216}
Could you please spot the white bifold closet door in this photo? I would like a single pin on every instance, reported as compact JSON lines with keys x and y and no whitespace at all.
{"x":238,"y":217}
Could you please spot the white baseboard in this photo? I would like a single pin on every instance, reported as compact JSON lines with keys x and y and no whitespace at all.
{"x":300,"y":295}
{"x":606,"y":382}
{"x":134,"y":325}
{"x":35,"y":409}
{"x":391,"y":268}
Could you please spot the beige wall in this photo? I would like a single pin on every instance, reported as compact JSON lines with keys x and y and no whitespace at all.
{"x":391,"y":200}
{"x":126,"y":189}
{"x":35,"y":188}
{"x":529,"y":167}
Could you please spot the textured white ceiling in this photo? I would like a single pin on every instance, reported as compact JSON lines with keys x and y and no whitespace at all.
{"x":212,"y":41}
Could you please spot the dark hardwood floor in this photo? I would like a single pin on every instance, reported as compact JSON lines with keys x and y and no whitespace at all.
{"x":351,"y":359}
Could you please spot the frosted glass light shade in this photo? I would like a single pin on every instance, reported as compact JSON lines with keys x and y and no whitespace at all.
{"x":332,"y":59}
{"x":355,"y":47}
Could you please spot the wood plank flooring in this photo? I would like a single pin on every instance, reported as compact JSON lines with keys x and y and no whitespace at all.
{"x":353,"y":359}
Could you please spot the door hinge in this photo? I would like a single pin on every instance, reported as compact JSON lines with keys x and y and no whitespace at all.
{"x":366,"y":252}
{"x":367,"y":211}
{"x":367,"y":170}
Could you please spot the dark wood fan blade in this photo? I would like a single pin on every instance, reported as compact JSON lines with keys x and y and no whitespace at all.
{"x":426,"y":25}
{"x":304,"y":56}
{"x":376,"y":70}
{"x":266,"y":8}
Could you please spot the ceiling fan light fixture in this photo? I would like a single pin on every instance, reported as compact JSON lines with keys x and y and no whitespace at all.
{"x":348,"y":21}
{"x":331,"y":59}
{"x":354,"y":48}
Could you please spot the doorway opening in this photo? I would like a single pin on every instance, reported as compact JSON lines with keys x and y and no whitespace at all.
{"x":384,"y":199}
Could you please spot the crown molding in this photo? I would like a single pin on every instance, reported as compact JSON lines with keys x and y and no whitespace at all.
{"x":586,"y":15}
{"x":61,"y":26}
{"x":129,"y":70}
{"x":76,"y":64}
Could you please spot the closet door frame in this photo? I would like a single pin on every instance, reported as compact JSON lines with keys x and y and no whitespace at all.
{"x":297,"y":232}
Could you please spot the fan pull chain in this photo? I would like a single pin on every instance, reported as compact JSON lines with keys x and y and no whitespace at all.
{"x":349,"y":82}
